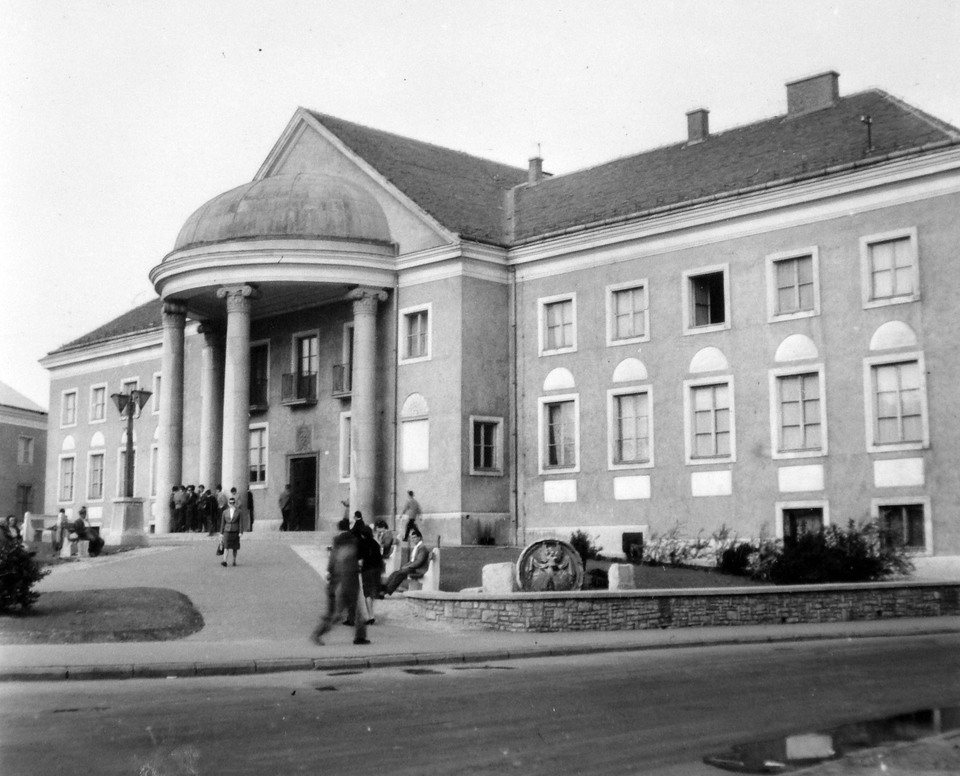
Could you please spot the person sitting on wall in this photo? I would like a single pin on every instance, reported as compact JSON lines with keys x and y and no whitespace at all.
{"x":84,"y":531}
{"x":416,"y":567}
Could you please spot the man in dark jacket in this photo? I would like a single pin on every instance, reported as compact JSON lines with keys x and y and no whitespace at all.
{"x":416,"y":567}
{"x":343,"y":585}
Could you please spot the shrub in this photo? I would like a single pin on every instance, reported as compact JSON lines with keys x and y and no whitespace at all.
{"x":856,"y":553}
{"x":670,"y":548}
{"x":736,"y":559}
{"x":19,"y":572}
{"x":586,"y":549}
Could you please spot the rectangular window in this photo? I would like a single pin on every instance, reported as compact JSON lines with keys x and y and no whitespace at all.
{"x":415,"y":445}
{"x":560,"y":424}
{"x":706,"y":294}
{"x":25,"y":450}
{"x":627,"y":313}
{"x":486,"y":445}
{"x":154,"y":463}
{"x":98,"y":403}
{"x":299,"y":386}
{"x":66,"y":479}
{"x":258,"y":455}
{"x":890,"y":269}
{"x":631,"y":428}
{"x":904,"y":524}
{"x":710,"y":421}
{"x":415,"y":334}
{"x":798,"y":521}
{"x":557,"y":321}
{"x":898,"y":403}
{"x":68,"y":409}
{"x":308,"y":355}
{"x":799,"y":416}
{"x":259,"y":375}
{"x":24,"y":499}
{"x":95,"y":477}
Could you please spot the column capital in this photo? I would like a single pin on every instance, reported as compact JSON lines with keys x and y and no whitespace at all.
{"x":365,"y":300}
{"x":172,"y":311}
{"x":238,"y":297}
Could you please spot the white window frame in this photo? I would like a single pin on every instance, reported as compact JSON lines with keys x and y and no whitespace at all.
{"x":866,"y":267}
{"x":688,"y":386}
{"x":542,"y":304}
{"x":154,"y":464}
{"x":345,"y":464}
{"x":781,"y":506}
{"x":121,"y":465}
{"x":106,"y":400}
{"x":26,"y":450}
{"x":295,"y":348}
{"x":73,"y":480}
{"x":775,"y":425}
{"x":899,"y":501}
{"x":687,"y":309}
{"x":773,"y":298}
{"x":103,"y":474}
{"x":425,"y":419}
{"x":870,"y":408}
{"x":497,"y":469}
{"x":612,"y":395}
{"x":405,"y":315}
{"x":265,"y":427}
{"x":63,"y":407}
{"x":157,"y":387}
{"x":128,"y":384}
{"x":542,"y":403}
{"x":611,"y":292}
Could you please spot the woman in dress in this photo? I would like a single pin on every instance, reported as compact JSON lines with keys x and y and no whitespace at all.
{"x":231,"y":529}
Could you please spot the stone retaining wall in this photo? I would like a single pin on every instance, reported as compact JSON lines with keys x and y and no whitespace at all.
{"x":641,"y":609}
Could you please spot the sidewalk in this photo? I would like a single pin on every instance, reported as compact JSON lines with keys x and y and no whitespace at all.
{"x":259,"y":615}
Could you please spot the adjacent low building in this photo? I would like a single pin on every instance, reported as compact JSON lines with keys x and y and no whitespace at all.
{"x":748,"y":330}
{"x":23,"y":453}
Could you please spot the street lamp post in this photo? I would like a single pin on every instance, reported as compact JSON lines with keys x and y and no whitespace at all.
{"x":128,"y":404}
{"x":126,"y":527}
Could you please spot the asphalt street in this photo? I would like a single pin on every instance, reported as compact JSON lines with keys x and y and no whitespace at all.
{"x":613,"y":713}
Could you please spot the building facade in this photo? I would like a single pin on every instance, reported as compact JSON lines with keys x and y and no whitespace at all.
{"x":23,"y":453}
{"x":748,"y":329}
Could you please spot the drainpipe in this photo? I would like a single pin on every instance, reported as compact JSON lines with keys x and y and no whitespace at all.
{"x":514,"y":411}
{"x":396,"y":389}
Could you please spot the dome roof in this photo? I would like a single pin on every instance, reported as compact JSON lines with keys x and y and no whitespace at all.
{"x":304,"y":205}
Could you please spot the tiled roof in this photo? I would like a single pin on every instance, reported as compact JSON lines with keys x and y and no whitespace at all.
{"x":464,"y":193}
{"x":140,"y":319}
{"x":10,"y":397}
{"x":777,"y":149}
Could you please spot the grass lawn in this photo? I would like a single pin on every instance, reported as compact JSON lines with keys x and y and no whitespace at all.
{"x":85,"y":616}
{"x":647,"y":577}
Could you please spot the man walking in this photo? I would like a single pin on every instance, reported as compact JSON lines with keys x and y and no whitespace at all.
{"x":343,"y":586}
{"x":412,"y":510}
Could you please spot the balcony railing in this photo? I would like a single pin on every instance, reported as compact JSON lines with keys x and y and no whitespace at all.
{"x":341,"y":380}
{"x":299,"y":388}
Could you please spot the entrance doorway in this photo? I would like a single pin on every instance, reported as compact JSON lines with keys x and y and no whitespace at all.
{"x":303,"y":493}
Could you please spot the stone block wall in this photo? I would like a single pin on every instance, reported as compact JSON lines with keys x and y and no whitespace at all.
{"x":638,"y":610}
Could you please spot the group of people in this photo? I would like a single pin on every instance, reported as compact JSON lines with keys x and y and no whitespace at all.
{"x":355,"y":570}
{"x":196,"y":509}
{"x":81,"y":529}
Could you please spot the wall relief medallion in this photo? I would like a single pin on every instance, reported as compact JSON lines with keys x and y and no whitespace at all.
{"x":549,"y":564}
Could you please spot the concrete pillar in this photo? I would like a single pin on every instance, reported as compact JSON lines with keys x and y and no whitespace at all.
{"x":236,"y":390}
{"x":170,"y":460}
{"x":363,"y":404}
{"x":211,"y":407}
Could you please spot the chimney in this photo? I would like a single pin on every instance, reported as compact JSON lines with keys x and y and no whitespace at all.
{"x":535,"y":170}
{"x":813,"y":93}
{"x":698,"y":125}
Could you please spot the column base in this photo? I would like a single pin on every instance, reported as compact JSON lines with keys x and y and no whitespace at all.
{"x":126,"y":524}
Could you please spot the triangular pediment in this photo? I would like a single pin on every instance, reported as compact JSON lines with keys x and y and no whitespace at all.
{"x":307,"y":146}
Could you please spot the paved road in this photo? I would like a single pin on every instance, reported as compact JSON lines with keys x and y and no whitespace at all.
{"x":619,"y":713}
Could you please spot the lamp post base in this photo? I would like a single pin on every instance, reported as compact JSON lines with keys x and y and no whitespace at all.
{"x":126,"y":524}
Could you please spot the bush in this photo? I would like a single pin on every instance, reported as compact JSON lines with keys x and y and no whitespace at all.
{"x":19,"y":572}
{"x":736,"y":559}
{"x":671,"y":548}
{"x":856,"y":553}
{"x":585,"y":547}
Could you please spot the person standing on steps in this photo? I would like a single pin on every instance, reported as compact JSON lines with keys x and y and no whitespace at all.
{"x":231,"y":529}
{"x":412,"y":510}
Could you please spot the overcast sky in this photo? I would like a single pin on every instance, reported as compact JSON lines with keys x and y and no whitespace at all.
{"x":119,"y":119}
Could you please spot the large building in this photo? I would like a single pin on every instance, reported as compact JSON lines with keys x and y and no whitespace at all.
{"x":23,"y":453}
{"x":751,"y":328}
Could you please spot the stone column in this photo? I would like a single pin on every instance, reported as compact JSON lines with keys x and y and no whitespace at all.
{"x":236,"y":390}
{"x":211,"y":407}
{"x":363,"y":405}
{"x":170,"y":460}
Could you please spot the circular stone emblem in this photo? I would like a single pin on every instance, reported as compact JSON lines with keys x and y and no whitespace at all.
{"x":549,"y":564}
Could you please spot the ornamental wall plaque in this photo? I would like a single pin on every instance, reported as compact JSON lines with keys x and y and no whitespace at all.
{"x":549,"y":564}
{"x":304,"y":438}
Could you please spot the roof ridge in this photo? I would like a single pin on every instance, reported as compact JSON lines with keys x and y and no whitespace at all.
{"x":406,"y":138}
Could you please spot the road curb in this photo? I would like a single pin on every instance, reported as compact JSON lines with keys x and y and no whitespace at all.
{"x":355,"y":662}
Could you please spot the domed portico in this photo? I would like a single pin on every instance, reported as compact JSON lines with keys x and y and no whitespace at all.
{"x":278,"y":244}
